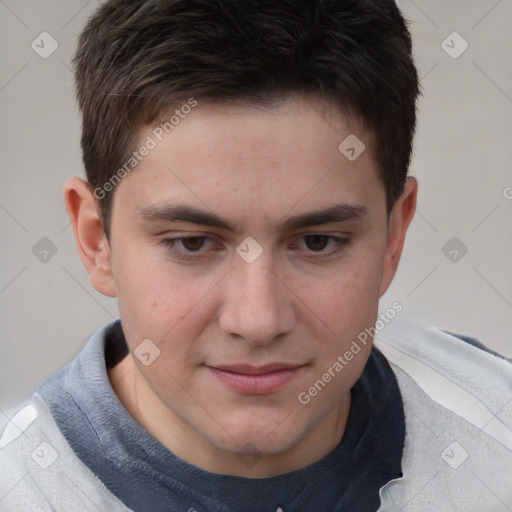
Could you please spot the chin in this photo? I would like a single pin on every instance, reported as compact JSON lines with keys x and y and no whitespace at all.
{"x":268,"y":435}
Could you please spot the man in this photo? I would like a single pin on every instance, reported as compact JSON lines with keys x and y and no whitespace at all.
{"x":247,"y":202}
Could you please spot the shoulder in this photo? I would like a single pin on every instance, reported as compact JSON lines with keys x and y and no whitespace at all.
{"x":457,"y":401}
{"x":456,"y":371}
{"x":16,"y":447}
{"x":40,"y":472}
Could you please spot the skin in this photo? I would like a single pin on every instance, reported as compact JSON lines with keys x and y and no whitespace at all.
{"x":301,"y":301}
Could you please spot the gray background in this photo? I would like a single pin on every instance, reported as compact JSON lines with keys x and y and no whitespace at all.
{"x":462,"y":161}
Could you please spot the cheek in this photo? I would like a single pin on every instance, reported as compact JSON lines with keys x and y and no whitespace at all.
{"x":156,"y":301}
{"x":347,"y":296}
{"x":344,"y":308}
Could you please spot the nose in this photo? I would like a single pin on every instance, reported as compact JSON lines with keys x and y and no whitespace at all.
{"x":258,"y":306}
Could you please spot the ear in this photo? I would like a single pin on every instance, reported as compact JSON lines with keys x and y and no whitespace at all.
{"x":399,"y":220}
{"x":91,"y":242}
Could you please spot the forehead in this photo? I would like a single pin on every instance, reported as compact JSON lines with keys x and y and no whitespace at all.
{"x":246,"y":131}
{"x":239,"y":157}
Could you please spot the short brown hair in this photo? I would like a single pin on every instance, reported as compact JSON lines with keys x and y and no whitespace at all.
{"x":137,"y":59}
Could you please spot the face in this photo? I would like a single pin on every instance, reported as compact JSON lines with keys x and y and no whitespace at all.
{"x":250,"y":252}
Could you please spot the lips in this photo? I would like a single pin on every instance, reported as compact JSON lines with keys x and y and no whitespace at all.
{"x":256,"y":380}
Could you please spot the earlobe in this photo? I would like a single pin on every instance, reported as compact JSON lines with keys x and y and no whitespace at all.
{"x":399,"y":220}
{"x":92,"y":244}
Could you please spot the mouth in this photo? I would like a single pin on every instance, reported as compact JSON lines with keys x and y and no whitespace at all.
{"x":253,"y":380}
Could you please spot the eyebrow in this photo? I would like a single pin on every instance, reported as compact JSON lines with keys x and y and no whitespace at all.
{"x":184,"y":213}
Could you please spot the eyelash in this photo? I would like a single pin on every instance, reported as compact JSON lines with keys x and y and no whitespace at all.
{"x":170,"y":244}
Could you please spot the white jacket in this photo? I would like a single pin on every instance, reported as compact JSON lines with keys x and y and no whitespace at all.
{"x":458,"y":447}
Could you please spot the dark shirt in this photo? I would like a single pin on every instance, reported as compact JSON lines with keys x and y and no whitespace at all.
{"x":147,"y":477}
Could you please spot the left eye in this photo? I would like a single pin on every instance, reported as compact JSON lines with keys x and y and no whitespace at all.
{"x":319,"y":243}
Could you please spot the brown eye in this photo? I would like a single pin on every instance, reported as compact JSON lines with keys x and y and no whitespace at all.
{"x":191,"y":248}
{"x":193,"y":243}
{"x":316,"y":242}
